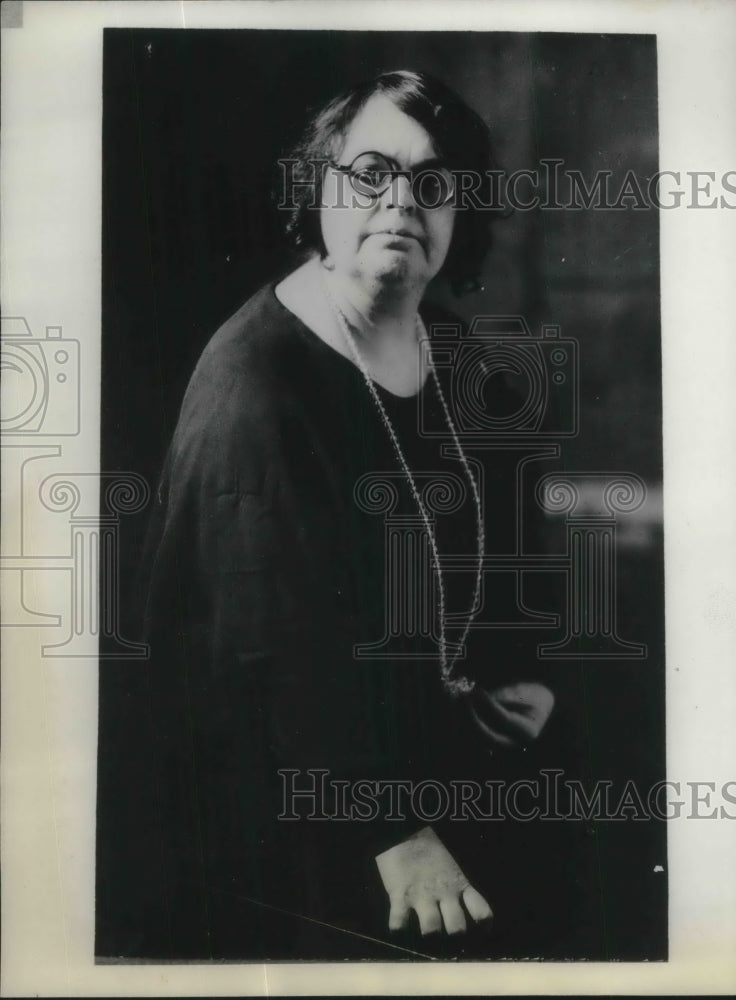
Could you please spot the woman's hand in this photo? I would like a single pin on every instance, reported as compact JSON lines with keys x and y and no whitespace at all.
{"x":513,"y":715}
{"x":420,"y":874}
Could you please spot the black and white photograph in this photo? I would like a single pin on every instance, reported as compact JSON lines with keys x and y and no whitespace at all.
{"x":365,"y":484}
{"x":381,"y":323}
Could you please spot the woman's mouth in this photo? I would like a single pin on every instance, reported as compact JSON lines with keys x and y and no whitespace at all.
{"x":399,"y":236}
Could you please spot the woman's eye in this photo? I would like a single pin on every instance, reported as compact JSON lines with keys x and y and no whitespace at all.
{"x":368,"y":176}
{"x":432,"y":188}
{"x":427,"y":180}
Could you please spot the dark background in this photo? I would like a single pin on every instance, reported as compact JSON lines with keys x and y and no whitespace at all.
{"x":193,"y":124}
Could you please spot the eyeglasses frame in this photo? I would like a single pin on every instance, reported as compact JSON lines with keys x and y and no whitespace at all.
{"x":393,"y":173}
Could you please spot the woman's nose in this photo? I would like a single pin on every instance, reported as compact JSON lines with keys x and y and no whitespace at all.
{"x":399,"y":193}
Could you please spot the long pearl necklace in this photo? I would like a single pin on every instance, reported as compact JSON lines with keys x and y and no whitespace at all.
{"x":455,"y":685}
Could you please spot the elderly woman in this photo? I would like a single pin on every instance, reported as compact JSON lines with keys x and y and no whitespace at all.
{"x":274,"y":702}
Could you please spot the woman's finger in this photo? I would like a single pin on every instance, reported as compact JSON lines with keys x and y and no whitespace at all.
{"x":489,"y":732}
{"x":476,"y":905}
{"x":453,"y":916}
{"x":399,"y":915}
{"x":430,"y":921}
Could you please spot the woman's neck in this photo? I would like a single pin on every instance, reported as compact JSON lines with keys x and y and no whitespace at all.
{"x":378,"y":315}
{"x":395,"y":359}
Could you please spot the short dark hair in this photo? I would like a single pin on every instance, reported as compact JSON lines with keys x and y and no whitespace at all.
{"x":459,"y":135}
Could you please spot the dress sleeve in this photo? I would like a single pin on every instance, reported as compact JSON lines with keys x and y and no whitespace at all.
{"x":254,"y":689}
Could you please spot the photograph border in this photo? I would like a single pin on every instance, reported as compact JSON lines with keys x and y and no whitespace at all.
{"x":51,"y":189}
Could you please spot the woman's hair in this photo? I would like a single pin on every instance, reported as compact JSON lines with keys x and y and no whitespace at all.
{"x":459,"y":135}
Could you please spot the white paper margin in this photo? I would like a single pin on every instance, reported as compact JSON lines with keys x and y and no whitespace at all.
{"x":51,"y":212}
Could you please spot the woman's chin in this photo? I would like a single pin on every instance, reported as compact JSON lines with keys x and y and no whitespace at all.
{"x":394,"y":267}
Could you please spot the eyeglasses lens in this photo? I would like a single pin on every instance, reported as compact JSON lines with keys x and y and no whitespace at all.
{"x":370,"y":174}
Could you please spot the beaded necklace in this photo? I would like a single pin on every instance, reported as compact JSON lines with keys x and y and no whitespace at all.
{"x":455,"y":685}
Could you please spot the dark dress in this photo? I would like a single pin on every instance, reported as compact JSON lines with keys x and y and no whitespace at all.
{"x":267,"y":569}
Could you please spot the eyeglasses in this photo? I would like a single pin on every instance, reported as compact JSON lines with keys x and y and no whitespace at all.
{"x":370,"y":174}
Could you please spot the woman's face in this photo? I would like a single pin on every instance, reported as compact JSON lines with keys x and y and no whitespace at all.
{"x":386,"y":239}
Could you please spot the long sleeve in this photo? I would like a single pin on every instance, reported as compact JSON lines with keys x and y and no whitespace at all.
{"x":252,"y":620}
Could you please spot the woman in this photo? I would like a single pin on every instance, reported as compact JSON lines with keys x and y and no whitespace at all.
{"x":268,"y":587}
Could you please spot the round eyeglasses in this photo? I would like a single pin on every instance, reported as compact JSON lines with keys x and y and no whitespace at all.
{"x":432,"y":185}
